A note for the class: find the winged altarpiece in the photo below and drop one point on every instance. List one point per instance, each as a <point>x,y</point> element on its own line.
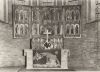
<point>46,27</point>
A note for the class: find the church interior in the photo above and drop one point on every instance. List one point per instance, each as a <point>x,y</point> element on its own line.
<point>49,35</point>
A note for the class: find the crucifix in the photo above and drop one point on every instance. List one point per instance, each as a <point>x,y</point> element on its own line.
<point>47,44</point>
<point>47,35</point>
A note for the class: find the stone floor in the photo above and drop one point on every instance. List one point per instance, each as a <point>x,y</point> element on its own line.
<point>9,69</point>
<point>22,69</point>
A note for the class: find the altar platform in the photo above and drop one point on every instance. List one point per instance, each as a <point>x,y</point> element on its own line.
<point>22,69</point>
<point>44,70</point>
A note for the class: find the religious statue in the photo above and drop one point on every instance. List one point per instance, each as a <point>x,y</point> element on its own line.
<point>77,28</point>
<point>34,29</point>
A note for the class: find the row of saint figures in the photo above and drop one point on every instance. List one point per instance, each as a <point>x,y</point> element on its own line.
<point>38,29</point>
<point>47,2</point>
<point>68,29</point>
<point>69,14</point>
<point>20,30</point>
<point>62,30</point>
<point>41,43</point>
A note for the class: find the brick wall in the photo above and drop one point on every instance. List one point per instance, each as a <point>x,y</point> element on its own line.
<point>11,49</point>
<point>89,45</point>
<point>98,47</point>
<point>83,50</point>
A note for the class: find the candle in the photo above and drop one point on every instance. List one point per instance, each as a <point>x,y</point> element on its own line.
<point>62,2</point>
<point>38,29</point>
<point>56,2</point>
<point>37,2</point>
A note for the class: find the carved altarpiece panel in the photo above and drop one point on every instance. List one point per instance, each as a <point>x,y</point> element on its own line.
<point>21,21</point>
<point>72,21</point>
<point>47,18</point>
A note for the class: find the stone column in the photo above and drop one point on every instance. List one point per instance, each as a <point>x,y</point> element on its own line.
<point>98,32</point>
<point>10,3</point>
<point>2,10</point>
<point>6,11</point>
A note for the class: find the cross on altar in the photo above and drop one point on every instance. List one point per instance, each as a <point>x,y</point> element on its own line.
<point>47,33</point>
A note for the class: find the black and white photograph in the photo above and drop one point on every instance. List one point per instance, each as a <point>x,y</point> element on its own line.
<point>49,35</point>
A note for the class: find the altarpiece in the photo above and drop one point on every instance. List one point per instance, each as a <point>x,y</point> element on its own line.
<point>46,27</point>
